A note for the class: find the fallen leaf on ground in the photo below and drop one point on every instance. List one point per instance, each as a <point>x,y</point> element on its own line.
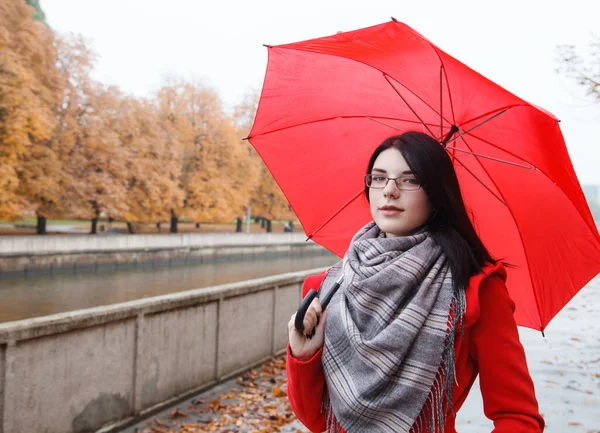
<point>259,404</point>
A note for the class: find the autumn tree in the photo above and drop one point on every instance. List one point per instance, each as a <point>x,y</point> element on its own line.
<point>96,161</point>
<point>121,160</point>
<point>216,189</point>
<point>152,167</point>
<point>211,175</point>
<point>251,166</point>
<point>166,165</point>
<point>71,146</point>
<point>266,199</point>
<point>171,107</point>
<point>38,13</point>
<point>89,147</point>
<point>29,92</point>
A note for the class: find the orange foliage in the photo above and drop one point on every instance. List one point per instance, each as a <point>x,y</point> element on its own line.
<point>91,149</point>
<point>29,167</point>
<point>69,146</point>
<point>152,167</point>
<point>258,404</point>
<point>267,200</point>
<point>211,174</point>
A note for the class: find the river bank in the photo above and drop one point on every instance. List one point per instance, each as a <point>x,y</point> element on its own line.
<point>48,254</point>
<point>36,295</point>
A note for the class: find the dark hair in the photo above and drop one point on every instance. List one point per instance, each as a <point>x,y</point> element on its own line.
<point>450,227</point>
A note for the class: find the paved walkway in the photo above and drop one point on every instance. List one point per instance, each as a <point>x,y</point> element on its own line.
<point>565,366</point>
<point>254,402</point>
<point>51,228</point>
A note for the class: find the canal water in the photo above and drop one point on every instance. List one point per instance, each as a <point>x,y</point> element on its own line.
<point>23,297</point>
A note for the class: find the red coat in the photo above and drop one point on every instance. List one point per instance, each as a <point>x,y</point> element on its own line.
<point>490,347</point>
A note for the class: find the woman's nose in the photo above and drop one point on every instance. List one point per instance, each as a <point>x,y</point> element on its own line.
<point>391,189</point>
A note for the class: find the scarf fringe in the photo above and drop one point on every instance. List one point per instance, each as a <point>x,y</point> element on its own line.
<point>432,418</point>
<point>331,423</point>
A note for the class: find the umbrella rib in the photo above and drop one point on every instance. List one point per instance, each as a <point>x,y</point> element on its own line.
<point>505,108</point>
<point>354,197</point>
<point>390,126</point>
<point>408,105</point>
<point>492,158</point>
<point>369,66</point>
<point>489,143</point>
<point>447,86</point>
<point>365,116</point>
<point>452,106</point>
<point>443,67</point>
<point>441,103</point>
<point>535,297</point>
<point>532,165</point>
<point>479,124</point>
<point>479,180</point>
<point>450,95</point>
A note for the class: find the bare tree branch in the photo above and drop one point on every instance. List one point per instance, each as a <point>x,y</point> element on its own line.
<point>585,73</point>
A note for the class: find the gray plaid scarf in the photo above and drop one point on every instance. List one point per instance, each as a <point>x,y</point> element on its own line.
<point>388,354</point>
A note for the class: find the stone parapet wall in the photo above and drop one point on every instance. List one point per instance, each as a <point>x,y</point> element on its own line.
<point>46,254</point>
<point>106,367</point>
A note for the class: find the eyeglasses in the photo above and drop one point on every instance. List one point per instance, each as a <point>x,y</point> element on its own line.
<point>404,183</point>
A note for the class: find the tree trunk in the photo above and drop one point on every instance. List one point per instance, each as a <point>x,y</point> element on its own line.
<point>269,226</point>
<point>238,227</point>
<point>94,231</point>
<point>291,226</point>
<point>41,226</point>
<point>130,228</point>
<point>173,222</point>
<point>94,228</point>
<point>197,225</point>
<point>262,223</point>
<point>158,227</point>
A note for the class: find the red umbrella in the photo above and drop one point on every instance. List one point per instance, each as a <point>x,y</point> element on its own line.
<point>327,103</point>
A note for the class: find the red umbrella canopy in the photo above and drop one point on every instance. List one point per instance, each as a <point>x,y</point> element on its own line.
<point>327,103</point>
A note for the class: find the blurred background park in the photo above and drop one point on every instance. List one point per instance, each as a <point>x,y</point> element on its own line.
<point>80,154</point>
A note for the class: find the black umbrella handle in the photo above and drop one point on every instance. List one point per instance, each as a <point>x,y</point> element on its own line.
<point>310,296</point>
<point>329,295</point>
<point>299,322</point>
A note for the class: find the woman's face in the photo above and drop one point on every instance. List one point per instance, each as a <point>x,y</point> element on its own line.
<point>397,212</point>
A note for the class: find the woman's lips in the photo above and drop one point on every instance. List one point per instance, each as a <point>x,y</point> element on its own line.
<point>390,210</point>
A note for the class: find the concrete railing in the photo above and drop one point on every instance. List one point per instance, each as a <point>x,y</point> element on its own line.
<point>18,245</point>
<point>105,367</point>
<point>47,254</point>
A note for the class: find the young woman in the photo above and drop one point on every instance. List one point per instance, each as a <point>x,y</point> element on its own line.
<point>421,311</point>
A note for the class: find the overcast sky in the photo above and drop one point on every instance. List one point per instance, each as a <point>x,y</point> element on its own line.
<point>513,42</point>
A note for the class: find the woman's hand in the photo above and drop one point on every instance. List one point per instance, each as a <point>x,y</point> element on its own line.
<point>302,347</point>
